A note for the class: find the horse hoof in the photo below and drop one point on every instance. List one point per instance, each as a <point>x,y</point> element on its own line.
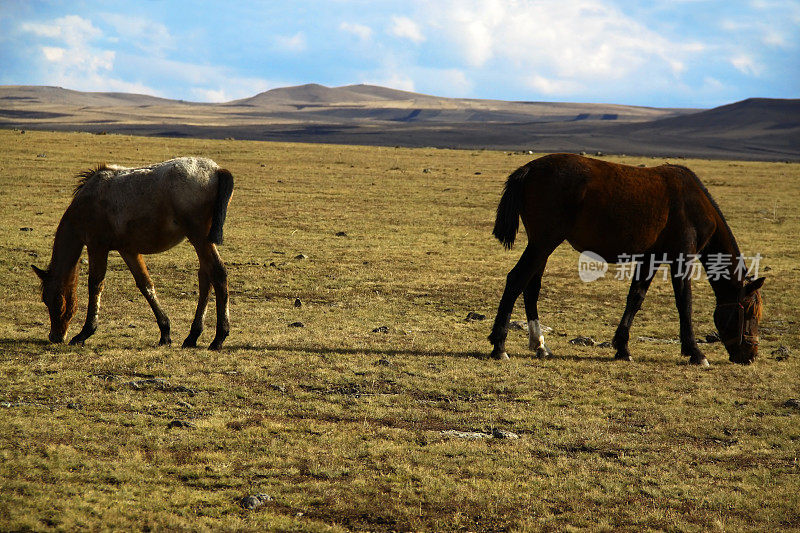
<point>543,353</point>
<point>215,346</point>
<point>165,342</point>
<point>500,356</point>
<point>189,344</point>
<point>699,362</point>
<point>623,357</point>
<point>76,341</point>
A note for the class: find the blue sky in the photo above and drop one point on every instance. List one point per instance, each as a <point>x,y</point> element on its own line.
<point>664,53</point>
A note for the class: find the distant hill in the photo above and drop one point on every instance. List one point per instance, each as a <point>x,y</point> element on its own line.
<point>764,113</point>
<point>319,94</point>
<point>757,128</point>
<point>60,96</point>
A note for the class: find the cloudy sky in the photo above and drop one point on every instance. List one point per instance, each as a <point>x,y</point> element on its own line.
<point>665,53</point>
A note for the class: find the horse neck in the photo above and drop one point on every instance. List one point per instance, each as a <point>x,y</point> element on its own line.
<point>67,248</point>
<point>723,249</point>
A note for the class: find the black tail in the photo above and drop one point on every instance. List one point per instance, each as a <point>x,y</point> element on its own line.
<point>224,191</point>
<point>510,208</point>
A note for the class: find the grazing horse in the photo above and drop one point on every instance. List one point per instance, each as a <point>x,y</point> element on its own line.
<point>140,211</point>
<point>663,214</point>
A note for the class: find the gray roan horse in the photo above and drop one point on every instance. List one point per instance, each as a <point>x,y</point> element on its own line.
<point>140,211</point>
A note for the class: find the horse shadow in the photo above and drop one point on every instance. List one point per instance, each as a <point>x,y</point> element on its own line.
<point>474,354</point>
<point>35,344</point>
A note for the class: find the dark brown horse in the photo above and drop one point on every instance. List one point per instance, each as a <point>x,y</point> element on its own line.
<point>662,213</point>
<point>140,211</point>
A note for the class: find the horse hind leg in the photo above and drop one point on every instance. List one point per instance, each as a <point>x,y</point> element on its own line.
<point>212,264</point>
<point>535,335</point>
<point>532,262</point>
<point>98,263</point>
<point>138,268</point>
<point>204,284</point>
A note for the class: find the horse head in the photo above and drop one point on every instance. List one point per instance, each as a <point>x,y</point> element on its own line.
<point>737,323</point>
<point>59,297</point>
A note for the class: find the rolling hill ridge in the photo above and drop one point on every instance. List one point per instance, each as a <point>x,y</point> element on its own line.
<point>757,128</point>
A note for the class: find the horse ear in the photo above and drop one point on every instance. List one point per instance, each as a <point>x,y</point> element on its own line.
<point>753,286</point>
<point>39,272</point>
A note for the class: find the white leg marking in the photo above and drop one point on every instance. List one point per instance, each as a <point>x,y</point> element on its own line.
<point>536,338</point>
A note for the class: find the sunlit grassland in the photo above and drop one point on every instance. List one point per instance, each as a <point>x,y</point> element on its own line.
<point>342,425</point>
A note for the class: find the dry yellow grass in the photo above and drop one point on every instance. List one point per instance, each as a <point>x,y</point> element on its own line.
<point>341,425</point>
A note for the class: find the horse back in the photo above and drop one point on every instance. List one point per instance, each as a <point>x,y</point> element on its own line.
<point>614,209</point>
<point>148,209</point>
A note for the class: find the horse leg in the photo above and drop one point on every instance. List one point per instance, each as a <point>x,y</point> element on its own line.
<point>211,263</point>
<point>98,262</point>
<point>683,300</point>
<point>516,281</point>
<point>531,298</point>
<point>137,267</point>
<point>204,283</point>
<point>636,294</point>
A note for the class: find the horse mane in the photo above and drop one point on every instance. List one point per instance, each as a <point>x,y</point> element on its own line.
<point>713,202</point>
<point>86,175</point>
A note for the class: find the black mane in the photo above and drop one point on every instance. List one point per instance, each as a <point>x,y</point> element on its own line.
<point>86,175</point>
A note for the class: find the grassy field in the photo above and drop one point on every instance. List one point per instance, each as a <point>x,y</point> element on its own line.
<point>344,427</point>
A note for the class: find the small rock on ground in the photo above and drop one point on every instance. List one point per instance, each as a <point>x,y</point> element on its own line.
<point>469,435</point>
<point>298,303</point>
<point>582,341</point>
<point>181,424</point>
<point>301,256</point>
<point>297,325</point>
<point>605,344</point>
<point>382,362</point>
<point>479,435</point>
<point>782,352</point>
<point>474,316</point>
<point>792,402</point>
<point>381,329</point>
<point>504,434</point>
<point>255,501</point>
<point>661,341</point>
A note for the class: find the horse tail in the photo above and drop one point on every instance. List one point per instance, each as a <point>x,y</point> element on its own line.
<point>224,192</point>
<point>509,209</point>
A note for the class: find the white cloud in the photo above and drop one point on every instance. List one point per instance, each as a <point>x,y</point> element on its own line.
<point>553,86</point>
<point>450,81</point>
<point>74,62</point>
<point>394,80</point>
<point>565,43</point>
<point>359,30</point>
<point>292,43</point>
<point>746,64</point>
<point>406,28</point>
<point>72,29</point>
<point>144,34</point>
<point>53,53</point>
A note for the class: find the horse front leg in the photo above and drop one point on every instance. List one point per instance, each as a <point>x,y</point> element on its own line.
<point>683,300</point>
<point>531,299</point>
<point>636,294</point>
<point>98,263</point>
<point>204,285</point>
<point>145,285</point>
